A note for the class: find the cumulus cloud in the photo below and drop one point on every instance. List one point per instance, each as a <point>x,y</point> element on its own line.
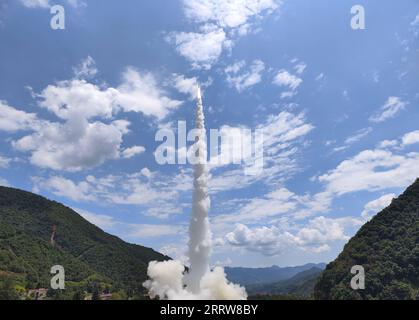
<point>385,144</point>
<point>13,120</point>
<point>201,49</point>
<point>228,14</point>
<point>188,85</point>
<point>88,134</point>
<point>72,146</point>
<point>313,237</point>
<point>375,206</point>
<point>246,79</point>
<point>389,110</point>
<point>220,22</point>
<point>138,92</point>
<point>291,82</point>
<point>411,138</point>
<point>372,170</point>
<point>185,85</point>
<point>63,187</point>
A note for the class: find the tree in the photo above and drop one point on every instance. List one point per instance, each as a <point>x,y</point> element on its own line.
<point>7,290</point>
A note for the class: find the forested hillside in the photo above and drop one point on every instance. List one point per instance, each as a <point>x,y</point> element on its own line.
<point>36,234</point>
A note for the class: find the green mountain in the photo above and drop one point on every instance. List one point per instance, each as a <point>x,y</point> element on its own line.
<point>253,276</point>
<point>388,249</point>
<point>36,234</point>
<point>301,285</point>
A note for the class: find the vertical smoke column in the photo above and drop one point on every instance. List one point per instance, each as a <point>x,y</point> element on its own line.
<point>199,229</point>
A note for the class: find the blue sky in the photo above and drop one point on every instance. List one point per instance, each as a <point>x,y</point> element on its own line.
<point>80,108</point>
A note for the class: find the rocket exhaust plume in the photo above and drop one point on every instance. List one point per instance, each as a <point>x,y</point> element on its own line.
<point>199,229</point>
<point>168,279</point>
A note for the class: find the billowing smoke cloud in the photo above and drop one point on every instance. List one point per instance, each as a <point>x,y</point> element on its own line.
<point>169,279</point>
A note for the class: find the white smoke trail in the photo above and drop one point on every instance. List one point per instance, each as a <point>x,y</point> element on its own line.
<point>168,280</point>
<point>199,229</point>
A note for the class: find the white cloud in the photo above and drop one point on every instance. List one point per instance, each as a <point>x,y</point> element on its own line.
<point>235,67</point>
<point>313,237</point>
<point>411,138</point>
<point>130,230</point>
<point>246,79</point>
<point>13,120</point>
<point>282,134</point>
<point>201,49</point>
<point>375,206</point>
<point>138,92</point>
<point>44,4</point>
<point>372,170</point>
<point>220,21</point>
<point>82,141</point>
<point>133,151</point>
<point>100,220</point>
<point>228,14</point>
<point>87,69</point>
<point>279,202</point>
<point>185,85</point>
<point>285,79</point>
<point>73,146</point>
<point>65,188</point>
<point>266,240</point>
<point>385,144</point>
<point>300,68</point>
<point>359,135</point>
<point>36,3</point>
<point>389,110</point>
<point>157,195</point>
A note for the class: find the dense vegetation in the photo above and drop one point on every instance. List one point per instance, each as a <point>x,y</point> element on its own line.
<point>94,261</point>
<point>301,285</point>
<point>388,249</point>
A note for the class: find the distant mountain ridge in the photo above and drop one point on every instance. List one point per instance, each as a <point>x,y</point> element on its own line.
<point>252,276</point>
<point>36,233</point>
<point>300,285</point>
<point>388,249</point>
